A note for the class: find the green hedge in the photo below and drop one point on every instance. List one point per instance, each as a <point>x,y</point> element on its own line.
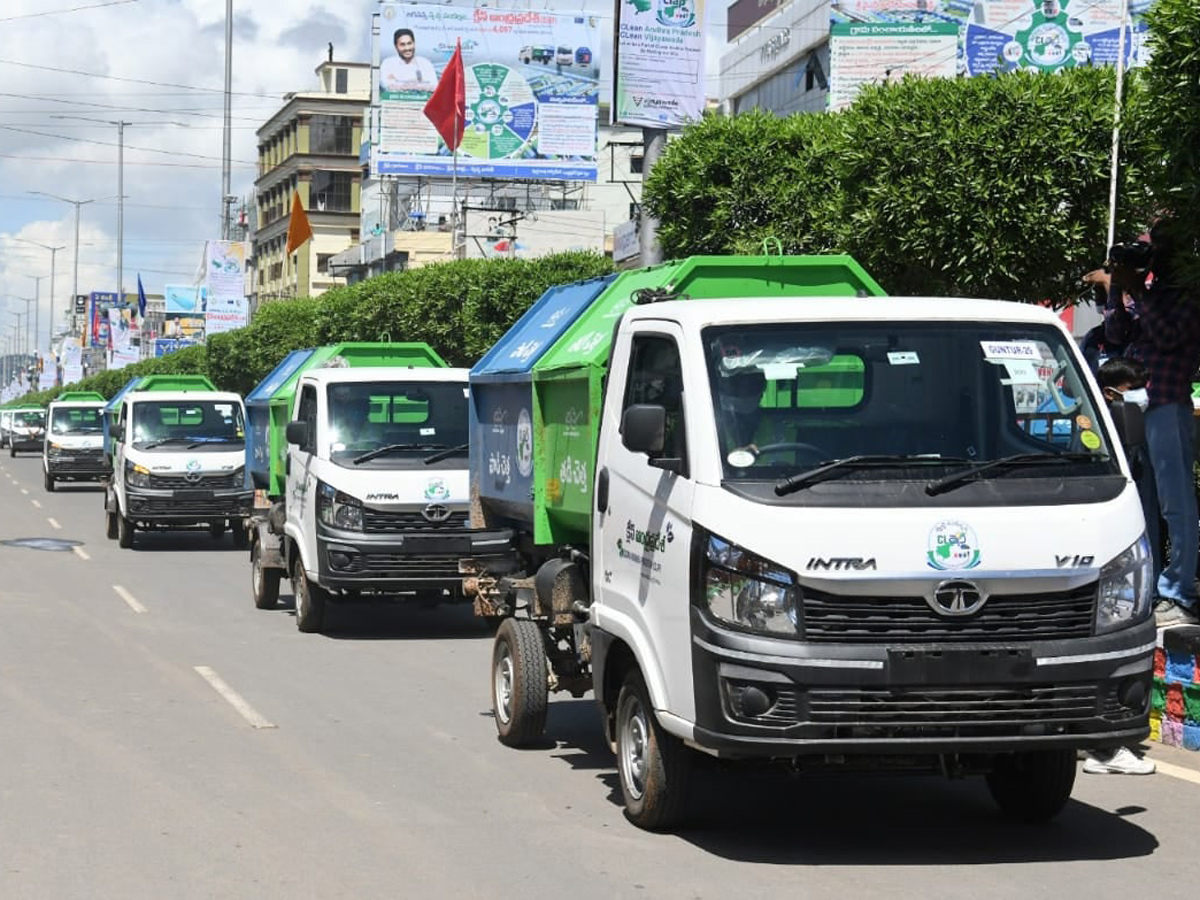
<point>460,308</point>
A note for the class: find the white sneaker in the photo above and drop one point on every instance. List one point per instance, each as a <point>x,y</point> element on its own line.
<point>1123,762</point>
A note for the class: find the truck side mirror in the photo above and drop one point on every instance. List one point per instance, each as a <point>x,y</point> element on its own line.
<point>297,433</point>
<point>644,429</point>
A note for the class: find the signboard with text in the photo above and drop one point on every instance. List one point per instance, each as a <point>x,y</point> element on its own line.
<point>532,92</point>
<point>659,74</point>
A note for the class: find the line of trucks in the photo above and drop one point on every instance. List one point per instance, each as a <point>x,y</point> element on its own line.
<point>764,513</point>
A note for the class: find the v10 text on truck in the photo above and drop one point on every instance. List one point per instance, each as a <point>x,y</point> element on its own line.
<point>766,515</point>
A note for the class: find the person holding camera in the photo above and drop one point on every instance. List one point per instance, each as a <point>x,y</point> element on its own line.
<point>1162,332</point>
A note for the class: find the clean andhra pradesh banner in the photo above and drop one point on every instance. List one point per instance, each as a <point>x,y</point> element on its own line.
<point>881,40</point>
<point>49,371</point>
<point>532,92</point>
<point>659,77</point>
<point>225,279</point>
<point>72,361</point>
<point>185,307</point>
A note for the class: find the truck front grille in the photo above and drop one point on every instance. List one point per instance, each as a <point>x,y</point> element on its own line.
<point>399,566</point>
<point>844,619</point>
<point>223,481</point>
<point>377,521</point>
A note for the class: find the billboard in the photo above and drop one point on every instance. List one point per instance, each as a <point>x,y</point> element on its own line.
<point>99,303</point>
<point>532,86</point>
<point>185,299</point>
<point>659,73</point>
<point>878,40</point>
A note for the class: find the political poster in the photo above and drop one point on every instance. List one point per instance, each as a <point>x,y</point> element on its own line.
<point>185,299</point>
<point>532,92</point>
<point>99,303</point>
<point>659,72</point>
<point>71,357</point>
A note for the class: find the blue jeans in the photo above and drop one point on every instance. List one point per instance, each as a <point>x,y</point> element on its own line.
<point>1169,444</point>
<point>1143,477</point>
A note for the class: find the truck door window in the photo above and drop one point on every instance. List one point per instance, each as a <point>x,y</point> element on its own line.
<point>308,413</point>
<point>656,378</point>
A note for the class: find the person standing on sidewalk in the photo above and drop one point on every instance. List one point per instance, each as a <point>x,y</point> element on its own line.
<point>1164,335</point>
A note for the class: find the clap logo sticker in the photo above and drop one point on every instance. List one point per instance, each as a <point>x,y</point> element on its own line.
<point>952,545</point>
<point>1090,439</point>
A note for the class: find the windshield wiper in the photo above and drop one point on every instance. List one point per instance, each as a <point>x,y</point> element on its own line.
<point>446,454</point>
<point>801,480</point>
<point>392,448</point>
<point>200,442</point>
<point>170,440</point>
<point>1007,462</point>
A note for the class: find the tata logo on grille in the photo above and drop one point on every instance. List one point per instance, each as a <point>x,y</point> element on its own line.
<point>957,598</point>
<point>193,474</point>
<point>436,512</point>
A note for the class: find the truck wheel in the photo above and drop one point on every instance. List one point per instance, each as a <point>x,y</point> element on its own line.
<point>265,582</point>
<point>519,683</point>
<point>1033,787</point>
<point>310,601</point>
<point>110,525</point>
<point>217,529</point>
<point>240,538</point>
<point>655,768</point>
<point>124,531</point>
<point>49,482</point>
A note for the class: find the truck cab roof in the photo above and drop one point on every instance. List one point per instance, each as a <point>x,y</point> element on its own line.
<point>384,373</point>
<point>168,396</point>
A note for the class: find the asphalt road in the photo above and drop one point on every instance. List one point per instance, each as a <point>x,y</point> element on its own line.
<point>364,764</point>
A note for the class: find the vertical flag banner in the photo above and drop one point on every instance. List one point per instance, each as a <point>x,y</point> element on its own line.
<point>447,107</point>
<point>531,92</point>
<point>225,267</point>
<point>299,228</point>
<point>141,298</point>
<point>659,77</point>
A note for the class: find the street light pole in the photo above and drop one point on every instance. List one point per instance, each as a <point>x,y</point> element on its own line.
<point>227,136</point>
<point>77,204</point>
<point>37,333</point>
<point>37,317</point>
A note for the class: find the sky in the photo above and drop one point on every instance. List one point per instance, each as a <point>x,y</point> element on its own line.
<point>71,69</point>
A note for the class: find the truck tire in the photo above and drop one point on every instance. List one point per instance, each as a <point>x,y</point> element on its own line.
<point>124,531</point>
<point>110,525</point>
<point>1033,787</point>
<point>654,767</point>
<point>520,687</point>
<point>264,582</point>
<point>49,480</point>
<point>311,601</point>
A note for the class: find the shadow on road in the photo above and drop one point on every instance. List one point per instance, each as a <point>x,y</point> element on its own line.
<point>772,817</point>
<point>398,621</point>
<point>185,541</point>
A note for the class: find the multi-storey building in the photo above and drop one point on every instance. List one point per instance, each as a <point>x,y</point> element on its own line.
<point>311,147</point>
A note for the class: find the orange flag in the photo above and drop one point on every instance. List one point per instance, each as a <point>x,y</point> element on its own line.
<point>299,229</point>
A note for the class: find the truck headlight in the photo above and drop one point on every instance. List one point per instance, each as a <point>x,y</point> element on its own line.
<point>136,476</point>
<point>1125,588</point>
<point>337,509</point>
<point>744,589</point>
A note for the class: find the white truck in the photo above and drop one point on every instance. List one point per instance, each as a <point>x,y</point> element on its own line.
<point>361,453</point>
<point>829,532</point>
<point>178,454</point>
<point>74,444</point>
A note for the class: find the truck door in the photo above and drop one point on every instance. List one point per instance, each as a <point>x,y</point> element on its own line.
<point>301,503</point>
<point>642,539</point>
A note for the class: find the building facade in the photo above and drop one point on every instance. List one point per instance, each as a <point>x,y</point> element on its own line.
<point>311,147</point>
<point>777,58</point>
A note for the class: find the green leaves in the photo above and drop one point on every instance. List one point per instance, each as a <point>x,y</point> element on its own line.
<point>982,186</point>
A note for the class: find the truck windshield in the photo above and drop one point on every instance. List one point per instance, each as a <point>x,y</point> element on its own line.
<point>84,420</point>
<point>192,424</point>
<point>901,401</point>
<point>396,424</point>
<point>34,418</point>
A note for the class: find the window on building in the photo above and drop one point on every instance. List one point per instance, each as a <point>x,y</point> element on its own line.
<point>564,203</point>
<point>635,210</point>
<point>635,164</point>
<point>504,202</point>
<point>332,192</point>
<point>276,271</point>
<point>323,262</point>
<point>342,81</point>
<point>330,134</point>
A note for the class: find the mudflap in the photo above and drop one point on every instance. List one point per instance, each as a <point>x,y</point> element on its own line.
<point>110,498</point>
<point>271,544</point>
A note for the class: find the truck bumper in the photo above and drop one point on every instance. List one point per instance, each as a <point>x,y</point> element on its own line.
<point>26,445</point>
<point>187,507</point>
<point>761,697</point>
<point>79,466</point>
<point>398,563</point>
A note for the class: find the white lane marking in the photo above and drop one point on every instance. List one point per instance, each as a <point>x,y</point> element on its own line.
<point>53,522</point>
<point>1181,772</point>
<point>247,712</point>
<point>36,504</point>
<point>129,599</point>
<point>80,552</point>
<point>23,491</point>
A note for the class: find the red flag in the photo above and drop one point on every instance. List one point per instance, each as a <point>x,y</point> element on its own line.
<point>299,229</point>
<point>447,107</point>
